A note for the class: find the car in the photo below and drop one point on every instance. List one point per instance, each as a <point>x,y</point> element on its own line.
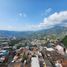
<point>4,56</point>
<point>11,50</point>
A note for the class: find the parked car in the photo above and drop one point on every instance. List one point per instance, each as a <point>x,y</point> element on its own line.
<point>11,51</point>
<point>4,56</point>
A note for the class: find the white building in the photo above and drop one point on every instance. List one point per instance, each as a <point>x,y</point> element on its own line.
<point>60,49</point>
<point>35,62</point>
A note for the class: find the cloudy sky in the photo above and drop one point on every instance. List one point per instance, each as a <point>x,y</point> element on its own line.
<point>24,15</point>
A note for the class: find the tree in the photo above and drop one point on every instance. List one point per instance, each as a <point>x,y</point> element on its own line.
<point>64,40</point>
<point>13,42</point>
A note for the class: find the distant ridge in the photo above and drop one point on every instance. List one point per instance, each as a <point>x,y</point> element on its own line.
<point>55,30</point>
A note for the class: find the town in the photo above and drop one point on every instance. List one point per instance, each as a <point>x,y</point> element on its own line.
<point>32,53</point>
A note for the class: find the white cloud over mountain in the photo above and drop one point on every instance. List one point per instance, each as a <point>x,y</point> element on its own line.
<point>57,18</point>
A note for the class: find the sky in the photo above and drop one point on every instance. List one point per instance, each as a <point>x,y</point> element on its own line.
<point>28,15</point>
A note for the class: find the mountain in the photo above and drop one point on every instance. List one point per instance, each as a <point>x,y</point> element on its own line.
<point>54,30</point>
<point>5,33</point>
<point>57,30</point>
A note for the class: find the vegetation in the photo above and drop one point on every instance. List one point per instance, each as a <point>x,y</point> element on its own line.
<point>65,41</point>
<point>13,42</point>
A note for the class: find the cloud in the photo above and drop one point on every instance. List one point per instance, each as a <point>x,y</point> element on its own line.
<point>57,18</point>
<point>47,11</point>
<point>4,27</point>
<point>24,27</point>
<point>22,14</point>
